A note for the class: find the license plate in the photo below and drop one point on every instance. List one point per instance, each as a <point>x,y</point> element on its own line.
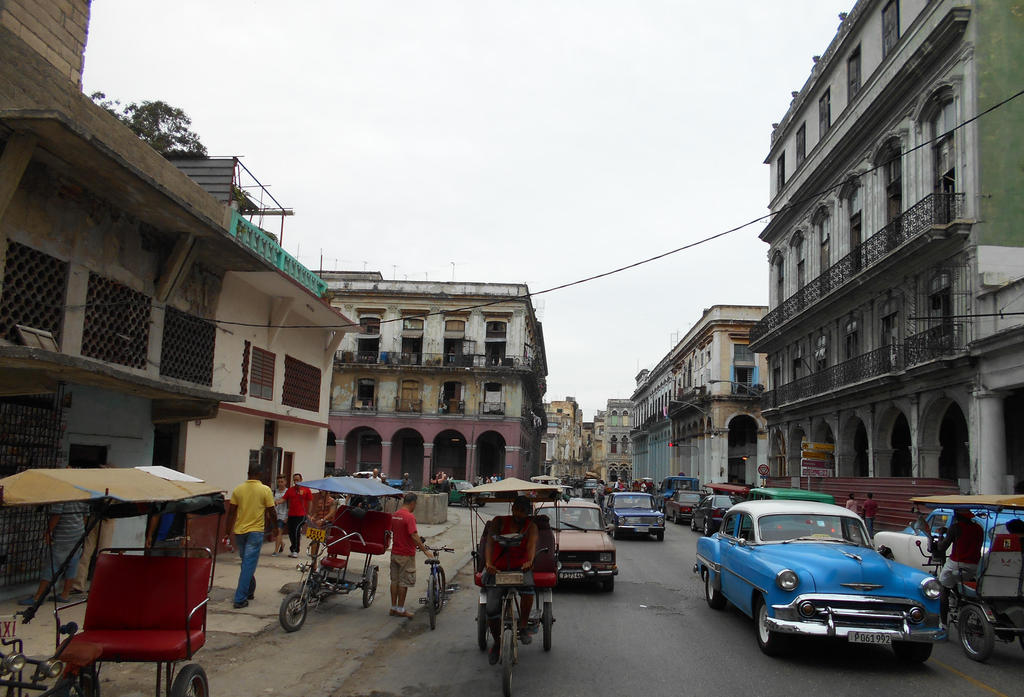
<point>640,528</point>
<point>869,638</point>
<point>568,575</point>
<point>509,578</point>
<point>316,534</point>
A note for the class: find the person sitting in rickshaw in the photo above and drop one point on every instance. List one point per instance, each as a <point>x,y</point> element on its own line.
<point>509,559</point>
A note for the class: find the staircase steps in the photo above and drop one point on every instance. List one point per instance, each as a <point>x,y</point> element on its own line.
<point>892,493</point>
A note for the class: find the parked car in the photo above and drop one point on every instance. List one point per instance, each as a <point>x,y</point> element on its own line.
<point>632,511</point>
<point>679,508</point>
<point>670,485</point>
<point>455,495</point>
<point>800,567</point>
<point>708,513</point>
<point>585,552</point>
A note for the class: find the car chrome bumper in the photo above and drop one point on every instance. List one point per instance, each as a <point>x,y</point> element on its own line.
<point>564,574</point>
<point>632,527</point>
<point>839,615</point>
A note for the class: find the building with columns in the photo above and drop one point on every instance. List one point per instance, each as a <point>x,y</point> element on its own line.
<point>896,249</point>
<point>612,454</point>
<point>697,412</point>
<point>440,376</point>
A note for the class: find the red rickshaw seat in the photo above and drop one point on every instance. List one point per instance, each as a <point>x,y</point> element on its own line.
<point>373,526</point>
<point>138,607</point>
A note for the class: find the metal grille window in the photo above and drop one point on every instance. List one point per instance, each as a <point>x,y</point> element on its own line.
<point>741,353</point>
<point>33,292</point>
<point>187,347</point>
<point>261,374</point>
<point>301,385</point>
<point>116,323</point>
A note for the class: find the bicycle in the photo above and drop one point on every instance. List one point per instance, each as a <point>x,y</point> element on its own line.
<point>438,589</point>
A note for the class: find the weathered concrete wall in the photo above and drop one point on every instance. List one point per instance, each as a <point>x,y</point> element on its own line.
<point>57,30</point>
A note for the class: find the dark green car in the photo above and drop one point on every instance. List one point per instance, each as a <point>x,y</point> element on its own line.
<point>455,495</point>
<point>762,493</point>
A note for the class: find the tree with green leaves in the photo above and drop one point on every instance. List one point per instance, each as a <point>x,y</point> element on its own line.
<point>164,127</point>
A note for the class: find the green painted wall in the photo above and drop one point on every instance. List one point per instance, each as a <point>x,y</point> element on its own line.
<point>999,53</point>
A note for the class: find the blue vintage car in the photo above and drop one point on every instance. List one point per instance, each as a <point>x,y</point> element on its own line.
<point>805,568</point>
<point>631,511</point>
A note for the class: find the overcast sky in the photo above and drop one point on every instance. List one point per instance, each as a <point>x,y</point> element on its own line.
<point>533,141</point>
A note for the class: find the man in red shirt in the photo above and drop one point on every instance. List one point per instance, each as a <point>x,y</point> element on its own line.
<point>299,500</point>
<point>870,511</point>
<point>405,539</point>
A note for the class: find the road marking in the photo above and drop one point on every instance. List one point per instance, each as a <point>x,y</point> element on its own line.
<point>968,678</point>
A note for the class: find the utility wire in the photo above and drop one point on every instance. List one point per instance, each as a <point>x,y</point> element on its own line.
<point>784,209</point>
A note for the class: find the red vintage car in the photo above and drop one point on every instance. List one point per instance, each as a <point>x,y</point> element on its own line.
<point>679,508</point>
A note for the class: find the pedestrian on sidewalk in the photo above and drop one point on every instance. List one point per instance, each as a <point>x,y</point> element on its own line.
<point>870,511</point>
<point>299,500</point>
<point>249,503</point>
<point>404,542</point>
<point>406,482</point>
<point>852,504</point>
<point>281,509</point>
<point>64,528</point>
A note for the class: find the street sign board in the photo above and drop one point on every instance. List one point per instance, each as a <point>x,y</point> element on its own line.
<point>763,470</point>
<point>820,447</point>
<point>810,467</point>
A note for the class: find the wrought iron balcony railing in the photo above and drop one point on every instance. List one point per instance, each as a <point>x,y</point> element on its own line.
<point>492,407</point>
<point>364,404</point>
<point>447,360</point>
<point>451,406</point>
<point>932,210</point>
<point>409,405</point>
<point>940,341</point>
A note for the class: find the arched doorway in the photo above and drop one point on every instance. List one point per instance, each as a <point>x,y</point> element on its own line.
<point>901,462</point>
<point>861,467</point>
<point>450,454</point>
<point>362,450</point>
<point>954,461</point>
<point>742,446</point>
<point>330,454</point>
<point>407,455</point>
<point>779,466</point>
<point>490,454</point>
<point>852,453</point>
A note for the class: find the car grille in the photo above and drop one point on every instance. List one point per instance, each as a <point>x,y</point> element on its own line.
<point>852,611</point>
<point>577,557</point>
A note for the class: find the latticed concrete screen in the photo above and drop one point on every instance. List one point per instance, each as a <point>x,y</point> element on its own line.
<point>187,347</point>
<point>301,385</point>
<point>116,323</point>
<point>34,288</point>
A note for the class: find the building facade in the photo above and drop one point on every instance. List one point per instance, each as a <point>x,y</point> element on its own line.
<point>565,438</point>
<point>613,457</point>
<point>896,242</point>
<point>697,413</point>
<point>439,376</point>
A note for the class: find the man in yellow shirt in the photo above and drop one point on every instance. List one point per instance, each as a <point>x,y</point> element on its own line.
<point>249,502</point>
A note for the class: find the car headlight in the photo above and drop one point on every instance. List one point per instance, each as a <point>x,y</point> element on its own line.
<point>587,566</point>
<point>605,557</point>
<point>931,588</point>
<point>787,580</point>
<point>558,565</point>
<point>13,662</point>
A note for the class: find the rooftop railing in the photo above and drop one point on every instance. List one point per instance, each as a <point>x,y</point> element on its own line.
<point>264,246</point>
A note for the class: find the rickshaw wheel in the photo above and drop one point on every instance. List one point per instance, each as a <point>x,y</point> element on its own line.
<point>547,619</point>
<point>292,614</point>
<point>370,587</point>
<point>481,627</point>
<point>976,635</point>
<point>190,682</point>
<point>507,660</point>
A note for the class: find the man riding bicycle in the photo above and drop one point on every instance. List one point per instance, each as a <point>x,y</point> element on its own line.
<point>511,558</point>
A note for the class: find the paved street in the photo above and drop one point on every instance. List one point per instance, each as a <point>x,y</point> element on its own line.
<point>655,636</point>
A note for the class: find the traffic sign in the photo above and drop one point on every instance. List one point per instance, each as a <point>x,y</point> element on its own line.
<point>763,470</point>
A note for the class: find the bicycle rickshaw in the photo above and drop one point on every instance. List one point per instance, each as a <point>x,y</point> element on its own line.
<point>544,574</point>
<point>145,605</point>
<point>991,606</point>
<point>351,529</point>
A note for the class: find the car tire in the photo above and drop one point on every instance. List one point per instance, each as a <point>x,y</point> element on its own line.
<point>976,635</point>
<point>660,536</point>
<point>693,524</point>
<point>912,651</point>
<point>707,527</point>
<point>713,597</point>
<point>608,585</point>
<point>771,643</point>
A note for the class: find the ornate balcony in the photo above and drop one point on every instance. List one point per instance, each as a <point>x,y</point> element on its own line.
<point>935,209</point>
<point>941,341</point>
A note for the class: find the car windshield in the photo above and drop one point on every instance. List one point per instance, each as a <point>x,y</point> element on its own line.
<point>632,501</point>
<point>573,517</point>
<point>459,486</point>
<point>811,527</point>
<point>688,497</point>
<point>719,501</point>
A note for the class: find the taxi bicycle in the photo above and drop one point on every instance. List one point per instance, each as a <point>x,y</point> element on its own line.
<point>542,577</point>
<point>351,529</point>
<point>990,607</point>
<point>144,605</point>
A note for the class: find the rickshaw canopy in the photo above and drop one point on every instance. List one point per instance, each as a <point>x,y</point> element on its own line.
<point>356,486</point>
<point>990,501</point>
<point>507,490</point>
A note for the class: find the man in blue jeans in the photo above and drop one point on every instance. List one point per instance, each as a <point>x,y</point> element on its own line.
<point>249,502</point>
